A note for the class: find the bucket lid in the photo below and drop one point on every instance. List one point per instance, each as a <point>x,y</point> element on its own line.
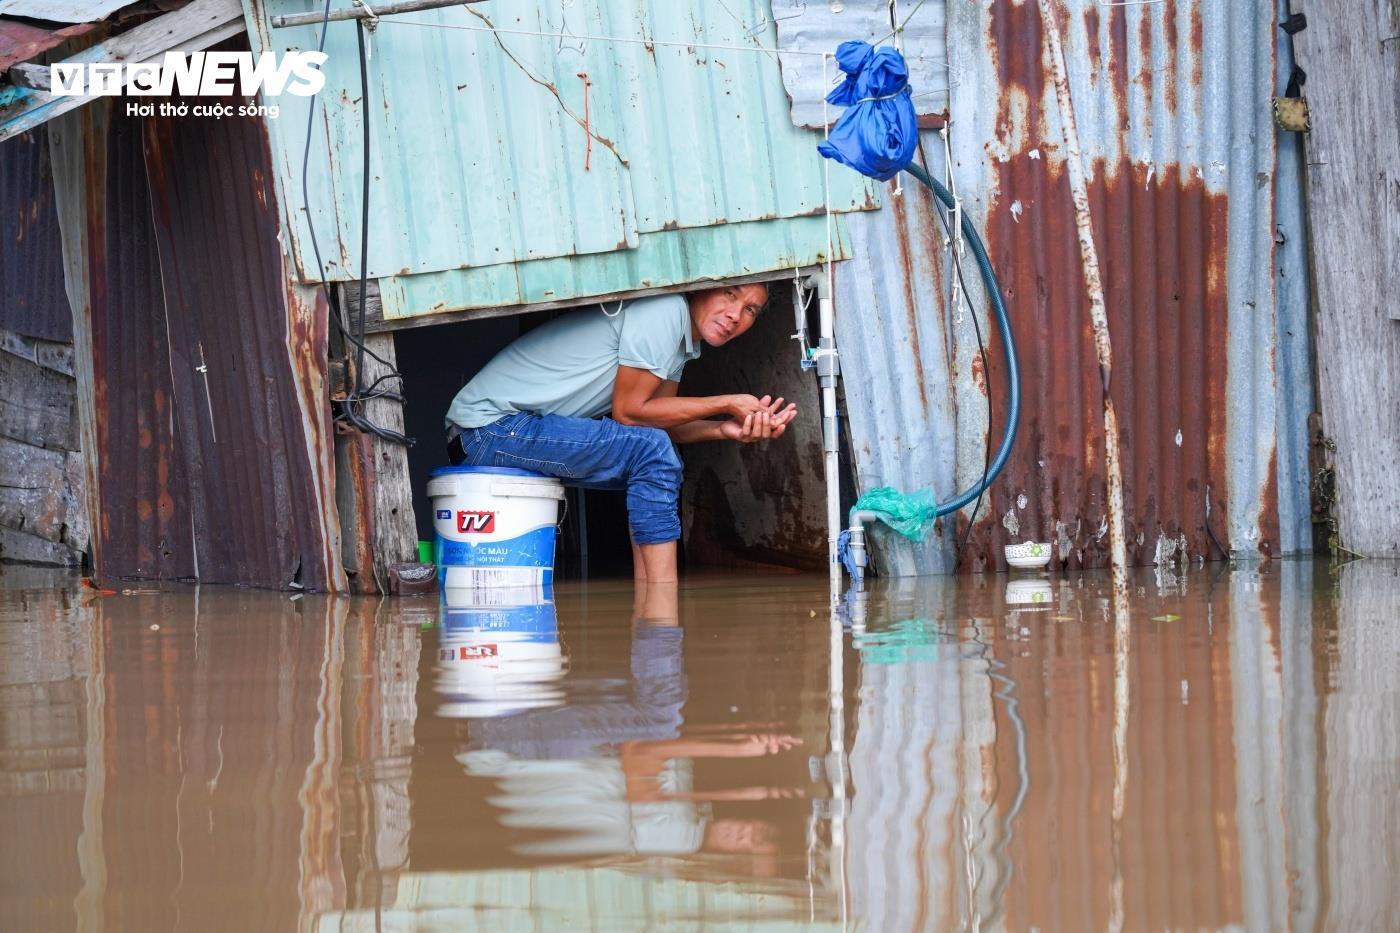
<point>489,471</point>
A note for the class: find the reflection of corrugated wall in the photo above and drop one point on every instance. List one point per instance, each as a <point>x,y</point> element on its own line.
<point>210,746</point>
<point>1170,101</point>
<point>1224,784</point>
<point>44,741</point>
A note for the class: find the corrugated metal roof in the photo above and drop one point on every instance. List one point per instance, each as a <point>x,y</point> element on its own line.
<point>1211,358</point>
<point>824,26</point>
<point>20,42</point>
<point>31,262</point>
<point>63,11</point>
<point>481,160</point>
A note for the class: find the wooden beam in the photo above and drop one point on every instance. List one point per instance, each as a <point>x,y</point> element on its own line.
<point>197,26</point>
<point>31,76</point>
<point>373,493</point>
<point>1353,203</point>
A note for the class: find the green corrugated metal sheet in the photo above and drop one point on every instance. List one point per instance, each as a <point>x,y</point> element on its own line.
<point>483,192</point>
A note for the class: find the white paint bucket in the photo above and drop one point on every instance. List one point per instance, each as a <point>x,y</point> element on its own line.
<point>495,526</point>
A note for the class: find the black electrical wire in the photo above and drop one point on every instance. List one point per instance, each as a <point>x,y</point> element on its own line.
<point>305,195</point>
<point>358,393</point>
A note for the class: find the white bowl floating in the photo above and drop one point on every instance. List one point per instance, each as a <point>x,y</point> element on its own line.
<point>1029,555</point>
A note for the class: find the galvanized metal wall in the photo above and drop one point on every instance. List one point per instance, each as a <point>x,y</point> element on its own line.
<point>32,301</point>
<point>486,193</point>
<point>1208,314</point>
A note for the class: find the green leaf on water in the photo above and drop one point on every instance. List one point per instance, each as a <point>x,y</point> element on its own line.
<point>1169,617</point>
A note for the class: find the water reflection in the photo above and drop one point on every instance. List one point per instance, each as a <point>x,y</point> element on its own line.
<point>220,758</point>
<point>499,652</point>
<point>611,772</point>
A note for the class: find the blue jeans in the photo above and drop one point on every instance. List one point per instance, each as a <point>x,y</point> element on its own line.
<point>591,454</point>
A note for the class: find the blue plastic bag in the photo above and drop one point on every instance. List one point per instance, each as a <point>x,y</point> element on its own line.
<point>878,133</point>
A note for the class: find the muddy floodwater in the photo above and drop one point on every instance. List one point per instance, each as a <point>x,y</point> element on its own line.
<point>990,752</point>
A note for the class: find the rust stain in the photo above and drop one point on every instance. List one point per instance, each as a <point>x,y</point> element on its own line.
<point>1091,30</point>
<point>1169,339</point>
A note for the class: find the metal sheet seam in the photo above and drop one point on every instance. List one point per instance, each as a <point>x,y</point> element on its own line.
<point>1252,381</point>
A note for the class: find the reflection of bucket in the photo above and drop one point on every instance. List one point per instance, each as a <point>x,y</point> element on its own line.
<point>495,526</point>
<point>498,656</point>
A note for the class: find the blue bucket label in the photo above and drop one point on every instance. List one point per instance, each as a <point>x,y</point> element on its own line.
<point>532,549</point>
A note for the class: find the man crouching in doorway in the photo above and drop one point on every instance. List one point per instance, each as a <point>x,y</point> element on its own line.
<point>591,397</point>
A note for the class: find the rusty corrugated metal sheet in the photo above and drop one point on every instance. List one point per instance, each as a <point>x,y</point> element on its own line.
<point>141,527</point>
<point>1207,316</point>
<point>20,42</point>
<point>247,356</point>
<point>1180,156</point>
<point>896,352</point>
<point>32,300</point>
<point>207,421</point>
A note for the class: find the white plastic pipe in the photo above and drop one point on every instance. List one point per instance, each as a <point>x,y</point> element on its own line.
<point>828,368</point>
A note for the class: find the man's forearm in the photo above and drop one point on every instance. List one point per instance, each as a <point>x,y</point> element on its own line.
<point>694,432</point>
<point>675,411</point>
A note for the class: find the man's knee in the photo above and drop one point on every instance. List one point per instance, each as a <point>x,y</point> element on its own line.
<point>655,452</point>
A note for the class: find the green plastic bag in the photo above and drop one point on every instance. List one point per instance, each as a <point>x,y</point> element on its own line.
<point>909,515</point>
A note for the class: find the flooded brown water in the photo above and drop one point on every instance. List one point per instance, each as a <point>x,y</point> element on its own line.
<point>989,753</point>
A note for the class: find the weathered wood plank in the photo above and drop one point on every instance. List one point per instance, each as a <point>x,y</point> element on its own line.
<point>395,537</point>
<point>41,496</point>
<point>373,492</point>
<point>46,353</point>
<point>20,548</point>
<point>77,142</point>
<point>37,406</point>
<point>1353,177</point>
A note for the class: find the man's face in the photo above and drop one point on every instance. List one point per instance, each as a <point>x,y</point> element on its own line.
<point>721,314</point>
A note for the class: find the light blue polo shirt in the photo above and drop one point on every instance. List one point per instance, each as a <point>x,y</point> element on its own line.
<point>569,366</point>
